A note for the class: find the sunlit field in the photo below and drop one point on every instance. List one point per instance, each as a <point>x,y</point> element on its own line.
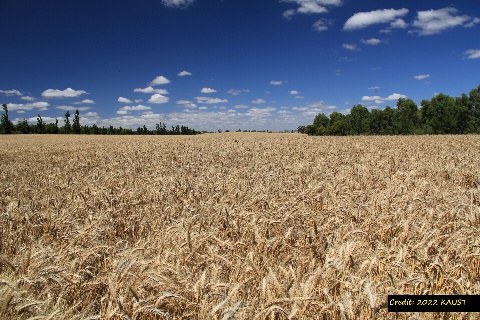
<point>235,225</point>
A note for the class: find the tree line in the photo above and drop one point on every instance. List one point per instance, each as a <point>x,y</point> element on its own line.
<point>442,114</point>
<point>74,127</point>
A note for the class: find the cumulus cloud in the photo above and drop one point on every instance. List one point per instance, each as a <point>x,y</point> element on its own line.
<point>135,108</point>
<point>321,25</point>
<point>362,20</point>
<point>184,73</point>
<point>86,101</point>
<point>208,90</point>
<point>352,47</point>
<point>472,54</point>
<point>235,92</point>
<point>379,100</point>
<point>70,108</point>
<point>40,106</point>
<point>374,88</point>
<point>435,21</point>
<point>207,100</point>
<point>314,108</point>
<point>259,101</point>
<point>158,98</point>
<point>310,7</point>
<point>276,82</point>
<point>150,89</point>
<point>12,92</point>
<point>124,100</point>
<point>241,106</point>
<point>422,76</point>
<point>28,98</point>
<point>372,41</point>
<point>67,93</point>
<point>159,81</point>
<point>187,104</point>
<point>180,4</point>
<point>294,92</point>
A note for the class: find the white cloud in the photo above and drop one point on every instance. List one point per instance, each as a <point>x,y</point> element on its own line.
<point>158,98</point>
<point>288,14</point>
<point>187,104</point>
<point>372,41</point>
<point>208,90</point>
<point>86,101</point>
<point>241,106</point>
<point>374,88</point>
<point>321,25</point>
<point>40,105</point>
<point>276,82</point>
<point>150,89</point>
<point>259,101</point>
<point>352,47</point>
<point>396,96</point>
<point>159,80</point>
<point>122,112</point>
<point>235,92</point>
<point>12,92</point>
<point>138,100</point>
<point>294,92</point>
<point>70,108</point>
<point>207,100</point>
<point>181,4</point>
<point>371,98</point>
<point>67,93</point>
<point>310,6</point>
<point>362,20</point>
<point>203,108</point>
<point>379,100</point>
<point>435,21</point>
<point>398,24</point>
<point>472,54</point>
<point>124,100</point>
<point>184,73</point>
<point>422,76</point>
<point>90,114</point>
<point>135,108</point>
<point>27,98</point>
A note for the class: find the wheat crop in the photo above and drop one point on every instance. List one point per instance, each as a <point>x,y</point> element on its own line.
<point>235,226</point>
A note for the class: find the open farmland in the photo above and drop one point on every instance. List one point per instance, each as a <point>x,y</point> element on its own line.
<point>235,226</point>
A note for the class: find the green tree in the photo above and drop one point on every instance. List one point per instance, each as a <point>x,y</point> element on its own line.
<point>76,128</point>
<point>40,124</point>
<point>407,116</point>
<point>7,125</point>
<point>322,124</point>
<point>338,124</point>
<point>67,127</point>
<point>376,120</point>
<point>22,126</point>
<point>359,120</point>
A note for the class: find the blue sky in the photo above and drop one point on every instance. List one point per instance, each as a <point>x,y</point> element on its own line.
<point>230,64</point>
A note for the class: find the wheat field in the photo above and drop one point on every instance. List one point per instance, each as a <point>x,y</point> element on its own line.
<point>235,225</point>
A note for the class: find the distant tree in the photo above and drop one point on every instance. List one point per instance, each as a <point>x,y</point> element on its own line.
<point>40,124</point>
<point>301,129</point>
<point>322,124</point>
<point>359,120</point>
<point>7,125</point>
<point>76,128</point>
<point>67,127</point>
<point>338,124</point>
<point>407,119</point>
<point>22,126</point>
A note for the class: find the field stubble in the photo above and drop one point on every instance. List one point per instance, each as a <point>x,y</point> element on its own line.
<point>235,226</point>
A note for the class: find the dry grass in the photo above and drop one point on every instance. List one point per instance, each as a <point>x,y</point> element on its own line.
<point>235,226</point>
